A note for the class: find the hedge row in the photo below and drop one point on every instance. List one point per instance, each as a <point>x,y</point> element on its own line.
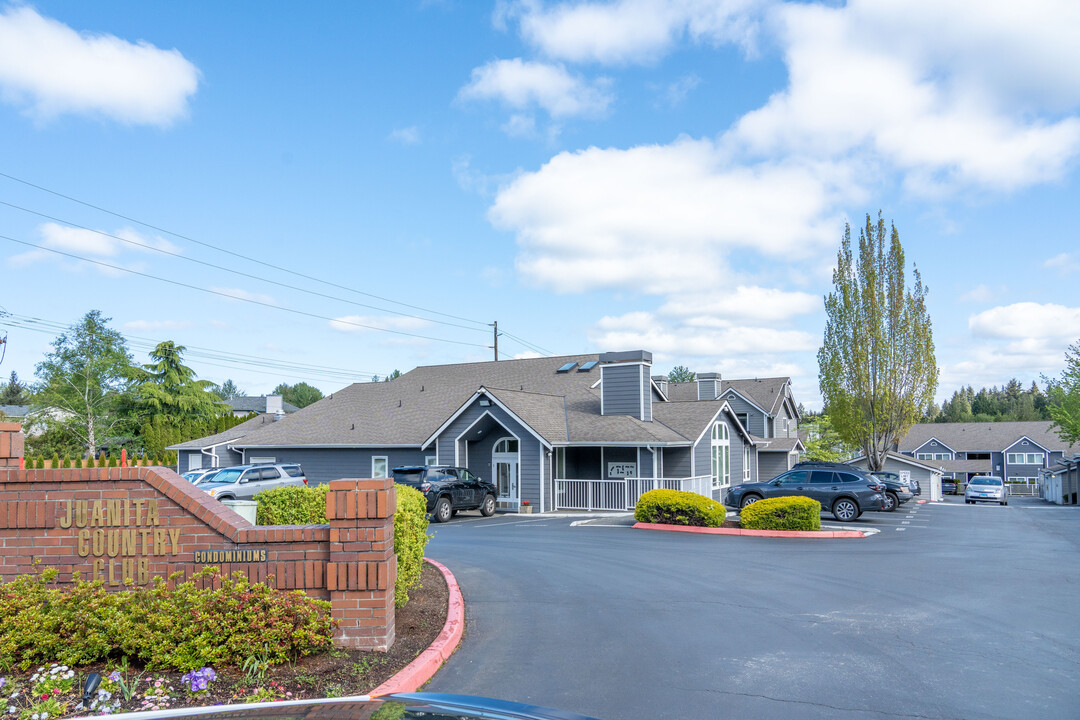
<point>184,627</point>
<point>675,507</point>
<point>782,513</point>
<point>306,505</point>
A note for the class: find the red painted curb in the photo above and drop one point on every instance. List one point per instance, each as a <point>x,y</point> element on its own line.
<point>413,676</point>
<point>753,533</point>
<point>920,502</point>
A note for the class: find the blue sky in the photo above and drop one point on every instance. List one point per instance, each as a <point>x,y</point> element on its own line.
<point>672,176</point>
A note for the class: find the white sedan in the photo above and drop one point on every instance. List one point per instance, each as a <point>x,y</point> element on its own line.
<point>986,489</point>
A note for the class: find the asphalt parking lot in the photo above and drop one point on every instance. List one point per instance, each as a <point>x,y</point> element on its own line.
<point>957,611</point>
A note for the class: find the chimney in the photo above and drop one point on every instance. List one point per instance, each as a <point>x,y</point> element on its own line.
<point>273,404</point>
<point>708,385</point>
<point>661,382</point>
<point>625,387</point>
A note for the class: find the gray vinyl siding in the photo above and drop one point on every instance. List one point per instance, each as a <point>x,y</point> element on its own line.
<point>708,389</point>
<point>676,462</point>
<point>183,460</point>
<point>321,465</point>
<point>771,464</point>
<point>1022,470</point>
<point>623,387</point>
<point>528,448</point>
<point>755,420</point>
<point>645,462</point>
<point>702,461</point>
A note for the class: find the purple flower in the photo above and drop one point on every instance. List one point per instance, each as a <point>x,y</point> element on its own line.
<point>114,676</point>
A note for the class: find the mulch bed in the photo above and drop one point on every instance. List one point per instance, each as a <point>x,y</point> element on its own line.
<point>337,673</point>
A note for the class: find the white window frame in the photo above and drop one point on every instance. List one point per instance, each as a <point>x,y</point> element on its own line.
<point>386,467</point>
<point>924,456</point>
<point>431,460</point>
<point>720,455</point>
<point>942,456</point>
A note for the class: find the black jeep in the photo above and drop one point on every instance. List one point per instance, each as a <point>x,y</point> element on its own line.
<point>448,489</point>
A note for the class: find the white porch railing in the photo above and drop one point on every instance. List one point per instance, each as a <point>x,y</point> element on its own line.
<point>621,494</point>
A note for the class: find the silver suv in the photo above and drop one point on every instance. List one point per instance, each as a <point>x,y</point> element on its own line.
<point>242,482</point>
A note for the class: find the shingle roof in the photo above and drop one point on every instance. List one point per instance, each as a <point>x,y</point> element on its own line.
<point>257,404</point>
<point>234,433</point>
<point>776,444</point>
<point>410,408</point>
<point>982,437</point>
<point>15,411</point>
<point>766,393</point>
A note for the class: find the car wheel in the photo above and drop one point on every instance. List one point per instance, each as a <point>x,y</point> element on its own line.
<point>1004,502</point>
<point>891,501</point>
<point>845,510</point>
<point>443,511</point>
<point>749,500</point>
<point>487,508</point>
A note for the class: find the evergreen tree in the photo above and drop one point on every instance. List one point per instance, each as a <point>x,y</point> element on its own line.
<point>681,374</point>
<point>14,392</point>
<point>301,394</point>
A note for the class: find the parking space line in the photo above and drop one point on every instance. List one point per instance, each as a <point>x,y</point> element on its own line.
<point>900,529</point>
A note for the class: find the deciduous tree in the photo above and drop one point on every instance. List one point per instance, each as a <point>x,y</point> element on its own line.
<point>681,374</point>
<point>83,381</point>
<point>877,369</point>
<point>301,394</point>
<point>1064,397</point>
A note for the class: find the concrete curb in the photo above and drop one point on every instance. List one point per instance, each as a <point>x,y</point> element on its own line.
<point>753,533</point>
<point>413,676</point>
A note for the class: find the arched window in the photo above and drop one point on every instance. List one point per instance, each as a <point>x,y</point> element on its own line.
<point>721,455</point>
<point>506,445</point>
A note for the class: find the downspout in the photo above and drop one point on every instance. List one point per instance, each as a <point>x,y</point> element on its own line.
<point>213,457</point>
<point>542,481</point>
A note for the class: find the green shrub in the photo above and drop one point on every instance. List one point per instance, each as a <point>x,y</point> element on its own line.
<point>675,507</point>
<point>54,461</point>
<point>410,539</point>
<point>782,513</point>
<point>302,505</point>
<point>184,627</point>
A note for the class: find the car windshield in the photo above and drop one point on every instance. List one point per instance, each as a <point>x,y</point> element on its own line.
<point>985,481</point>
<point>229,475</point>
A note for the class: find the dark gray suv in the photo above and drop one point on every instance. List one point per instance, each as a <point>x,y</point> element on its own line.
<point>847,493</point>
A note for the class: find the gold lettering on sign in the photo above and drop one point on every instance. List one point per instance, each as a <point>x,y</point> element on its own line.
<point>84,543</point>
<point>138,512</point>
<point>65,520</point>
<point>152,512</point>
<point>96,515</point>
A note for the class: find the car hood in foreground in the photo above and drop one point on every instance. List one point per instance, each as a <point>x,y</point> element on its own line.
<point>403,706</point>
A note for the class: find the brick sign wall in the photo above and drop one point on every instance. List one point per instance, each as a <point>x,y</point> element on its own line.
<point>131,525</point>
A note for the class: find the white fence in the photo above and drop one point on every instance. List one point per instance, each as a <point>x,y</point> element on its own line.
<point>621,494</point>
<point>1023,489</point>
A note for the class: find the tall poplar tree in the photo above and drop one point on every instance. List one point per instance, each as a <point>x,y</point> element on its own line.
<point>876,366</point>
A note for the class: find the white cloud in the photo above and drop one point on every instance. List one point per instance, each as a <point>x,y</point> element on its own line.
<point>629,31</point>
<point>156,325</point>
<point>645,330</point>
<point>353,323</point>
<point>915,85</point>
<point>661,217</point>
<point>527,355</point>
<point>1027,320</point>
<point>241,294</point>
<point>722,307</point>
<point>405,136</point>
<point>102,246</point>
<point>524,85</point>
<point>981,294</point>
<point>50,70</point>
<point>1064,264</point>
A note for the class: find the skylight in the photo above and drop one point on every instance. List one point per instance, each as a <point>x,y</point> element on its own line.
<point>588,366</point>
<point>567,367</point>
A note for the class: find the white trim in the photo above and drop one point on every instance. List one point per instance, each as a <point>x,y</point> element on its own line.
<point>663,395</point>
<point>934,439</point>
<point>499,403</point>
<point>733,390</point>
<point>641,392</point>
<point>903,459</point>
<point>486,413</point>
<point>603,466</point>
<point>543,481</point>
<point>708,426</point>
<point>517,462</point>
<point>635,443</point>
<point>323,446</point>
<point>1021,439</point>
<point>385,460</point>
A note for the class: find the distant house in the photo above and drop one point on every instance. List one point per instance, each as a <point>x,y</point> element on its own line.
<point>926,472</point>
<point>575,432</point>
<point>272,404</point>
<point>1013,451</point>
<point>14,413</point>
<point>214,451</point>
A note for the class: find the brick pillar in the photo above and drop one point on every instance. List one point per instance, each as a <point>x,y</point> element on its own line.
<point>362,565</point>
<point>11,444</point>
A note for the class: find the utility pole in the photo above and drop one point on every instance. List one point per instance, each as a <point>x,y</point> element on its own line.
<point>496,326</point>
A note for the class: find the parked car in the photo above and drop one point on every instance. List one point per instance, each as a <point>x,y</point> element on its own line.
<point>196,477</point>
<point>948,487</point>
<point>845,491</point>
<point>449,489</point>
<point>243,482</point>
<point>986,488</point>
<point>897,490</point>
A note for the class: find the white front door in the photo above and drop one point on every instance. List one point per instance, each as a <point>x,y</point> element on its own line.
<point>194,461</point>
<point>504,470</point>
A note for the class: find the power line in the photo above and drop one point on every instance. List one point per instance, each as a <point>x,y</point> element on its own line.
<point>259,365</point>
<point>223,268</point>
<point>233,253</point>
<point>235,297</point>
<point>527,344</point>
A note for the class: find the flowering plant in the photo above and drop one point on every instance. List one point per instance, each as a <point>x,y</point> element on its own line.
<point>198,680</point>
<point>525,503</point>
